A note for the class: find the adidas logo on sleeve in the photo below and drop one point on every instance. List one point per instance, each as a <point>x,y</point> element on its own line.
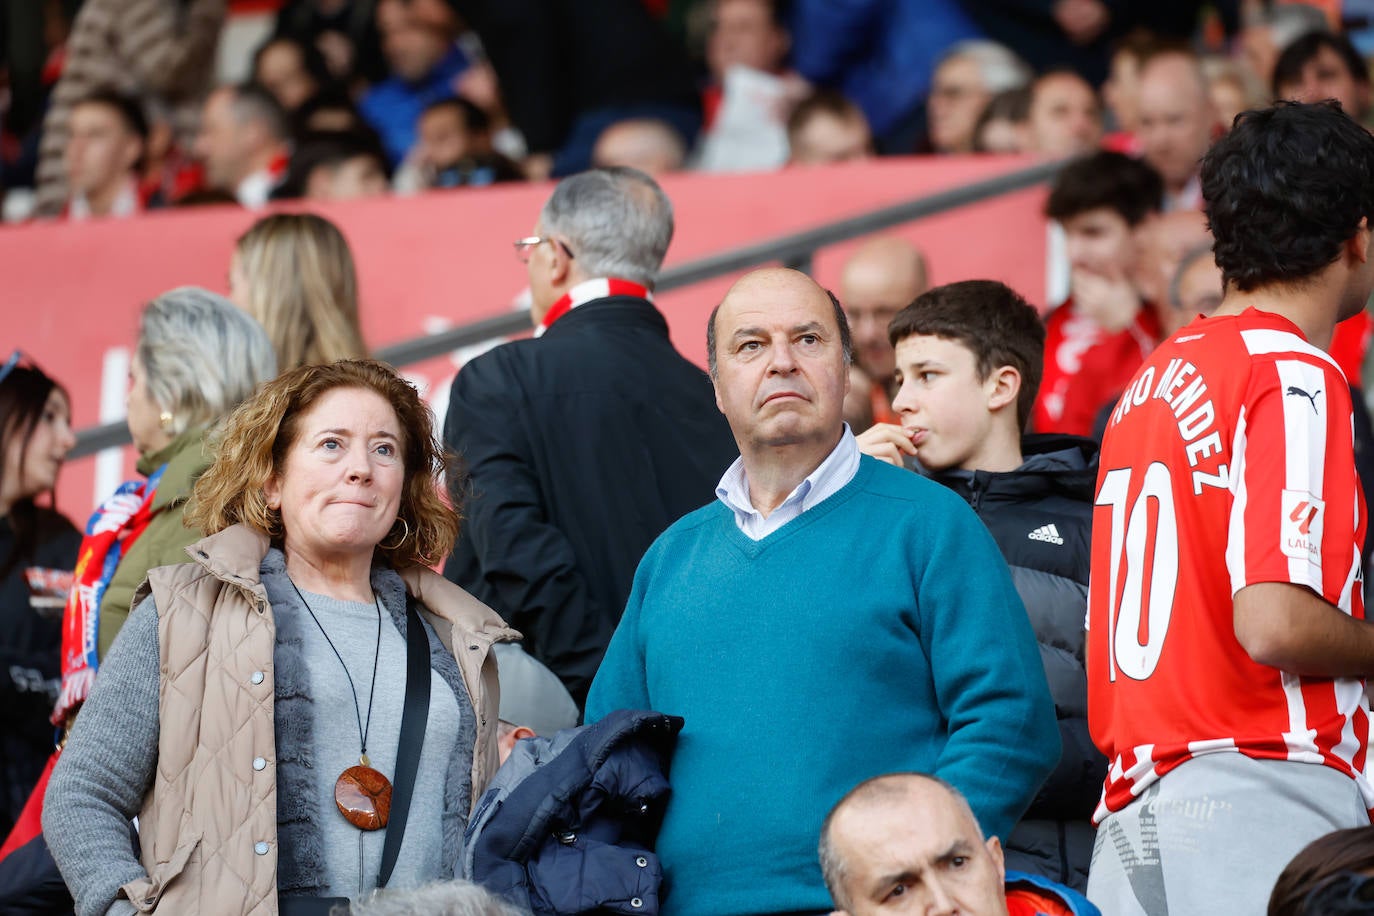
<point>1047,533</point>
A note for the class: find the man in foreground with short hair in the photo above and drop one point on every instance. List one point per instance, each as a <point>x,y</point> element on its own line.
<point>1227,646</point>
<point>809,630</point>
<point>582,444</point>
<point>909,843</point>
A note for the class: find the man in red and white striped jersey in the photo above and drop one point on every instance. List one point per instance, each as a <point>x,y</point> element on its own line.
<point>1227,645</point>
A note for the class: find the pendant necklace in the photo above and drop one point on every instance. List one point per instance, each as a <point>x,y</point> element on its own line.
<point>362,794</point>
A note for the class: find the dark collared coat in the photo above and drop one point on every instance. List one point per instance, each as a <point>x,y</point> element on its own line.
<point>580,447</point>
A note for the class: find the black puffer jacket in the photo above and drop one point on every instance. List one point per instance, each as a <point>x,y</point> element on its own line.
<point>1041,517</point>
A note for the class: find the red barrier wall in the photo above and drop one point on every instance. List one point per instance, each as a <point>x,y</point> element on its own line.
<point>72,293</point>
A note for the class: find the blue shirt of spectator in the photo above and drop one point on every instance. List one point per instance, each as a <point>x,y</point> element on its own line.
<point>392,107</point>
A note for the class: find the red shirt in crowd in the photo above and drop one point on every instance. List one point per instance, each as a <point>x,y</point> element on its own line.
<point>1086,367</point>
<point>1227,462</point>
<point>1349,345</point>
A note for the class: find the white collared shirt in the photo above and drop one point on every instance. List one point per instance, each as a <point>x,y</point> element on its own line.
<point>255,190</point>
<point>126,203</point>
<point>1190,198</point>
<point>837,470</point>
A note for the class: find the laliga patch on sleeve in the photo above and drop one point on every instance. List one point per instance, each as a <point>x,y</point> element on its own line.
<point>1300,529</point>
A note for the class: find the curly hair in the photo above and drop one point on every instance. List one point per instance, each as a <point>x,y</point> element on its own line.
<point>1285,190</point>
<point>251,448</point>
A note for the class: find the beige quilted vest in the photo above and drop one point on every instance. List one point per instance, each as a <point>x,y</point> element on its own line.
<point>208,828</point>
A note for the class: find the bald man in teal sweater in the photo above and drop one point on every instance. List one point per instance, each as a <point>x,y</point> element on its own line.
<point>830,618</point>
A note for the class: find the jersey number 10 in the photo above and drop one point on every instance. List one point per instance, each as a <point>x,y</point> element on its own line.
<point>1132,544</point>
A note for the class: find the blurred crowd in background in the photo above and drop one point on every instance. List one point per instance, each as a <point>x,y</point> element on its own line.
<point>111,107</point>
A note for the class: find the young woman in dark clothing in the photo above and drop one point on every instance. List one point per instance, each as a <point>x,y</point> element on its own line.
<point>37,551</point>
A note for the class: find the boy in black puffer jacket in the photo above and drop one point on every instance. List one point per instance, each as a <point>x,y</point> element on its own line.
<point>969,359</point>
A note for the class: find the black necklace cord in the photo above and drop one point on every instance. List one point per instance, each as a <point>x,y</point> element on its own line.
<point>377,654</point>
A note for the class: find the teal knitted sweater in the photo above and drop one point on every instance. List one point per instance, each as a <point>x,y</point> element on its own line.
<point>877,632</point>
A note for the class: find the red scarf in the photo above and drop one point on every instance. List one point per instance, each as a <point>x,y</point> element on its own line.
<point>586,291</point>
<point>113,527</point>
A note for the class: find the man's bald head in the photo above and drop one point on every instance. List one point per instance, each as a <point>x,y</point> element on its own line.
<point>1177,117</point>
<point>1177,70</point>
<point>779,348</point>
<point>881,278</point>
<point>778,280</point>
<point>652,146</point>
<point>895,259</point>
<point>915,832</point>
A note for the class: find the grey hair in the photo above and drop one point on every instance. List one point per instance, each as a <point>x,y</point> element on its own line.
<point>202,355</point>
<point>616,221</point>
<point>886,788</point>
<point>999,65</point>
<point>250,102</point>
<point>841,321</point>
<point>442,898</point>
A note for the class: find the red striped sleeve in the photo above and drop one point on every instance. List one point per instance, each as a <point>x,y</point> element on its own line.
<point>1298,467</point>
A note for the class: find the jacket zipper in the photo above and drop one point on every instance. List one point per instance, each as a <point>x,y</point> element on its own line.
<point>975,489</point>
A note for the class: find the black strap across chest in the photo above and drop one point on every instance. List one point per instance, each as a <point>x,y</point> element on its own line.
<point>413,719</point>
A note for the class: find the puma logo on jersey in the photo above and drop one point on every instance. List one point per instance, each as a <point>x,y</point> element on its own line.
<point>1294,389</point>
<point>1047,533</point>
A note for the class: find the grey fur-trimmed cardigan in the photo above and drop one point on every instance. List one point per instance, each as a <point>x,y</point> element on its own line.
<point>300,865</point>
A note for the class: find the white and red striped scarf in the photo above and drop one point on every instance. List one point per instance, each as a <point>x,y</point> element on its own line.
<point>586,291</point>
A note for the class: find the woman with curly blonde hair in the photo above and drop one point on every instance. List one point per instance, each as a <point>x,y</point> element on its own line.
<point>255,709</point>
<point>294,273</point>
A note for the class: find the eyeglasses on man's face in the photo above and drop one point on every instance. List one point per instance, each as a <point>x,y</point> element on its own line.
<point>524,248</point>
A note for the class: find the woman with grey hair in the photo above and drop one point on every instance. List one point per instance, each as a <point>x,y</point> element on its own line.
<point>197,357</point>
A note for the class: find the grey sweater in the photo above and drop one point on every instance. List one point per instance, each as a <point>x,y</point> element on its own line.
<point>108,766</point>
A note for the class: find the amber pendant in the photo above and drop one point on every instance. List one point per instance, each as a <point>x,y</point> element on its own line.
<point>364,797</point>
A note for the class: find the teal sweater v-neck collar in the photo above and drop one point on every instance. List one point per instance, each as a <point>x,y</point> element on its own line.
<point>751,548</point>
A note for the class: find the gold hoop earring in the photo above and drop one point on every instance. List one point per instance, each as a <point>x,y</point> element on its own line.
<point>167,421</point>
<point>403,537</point>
